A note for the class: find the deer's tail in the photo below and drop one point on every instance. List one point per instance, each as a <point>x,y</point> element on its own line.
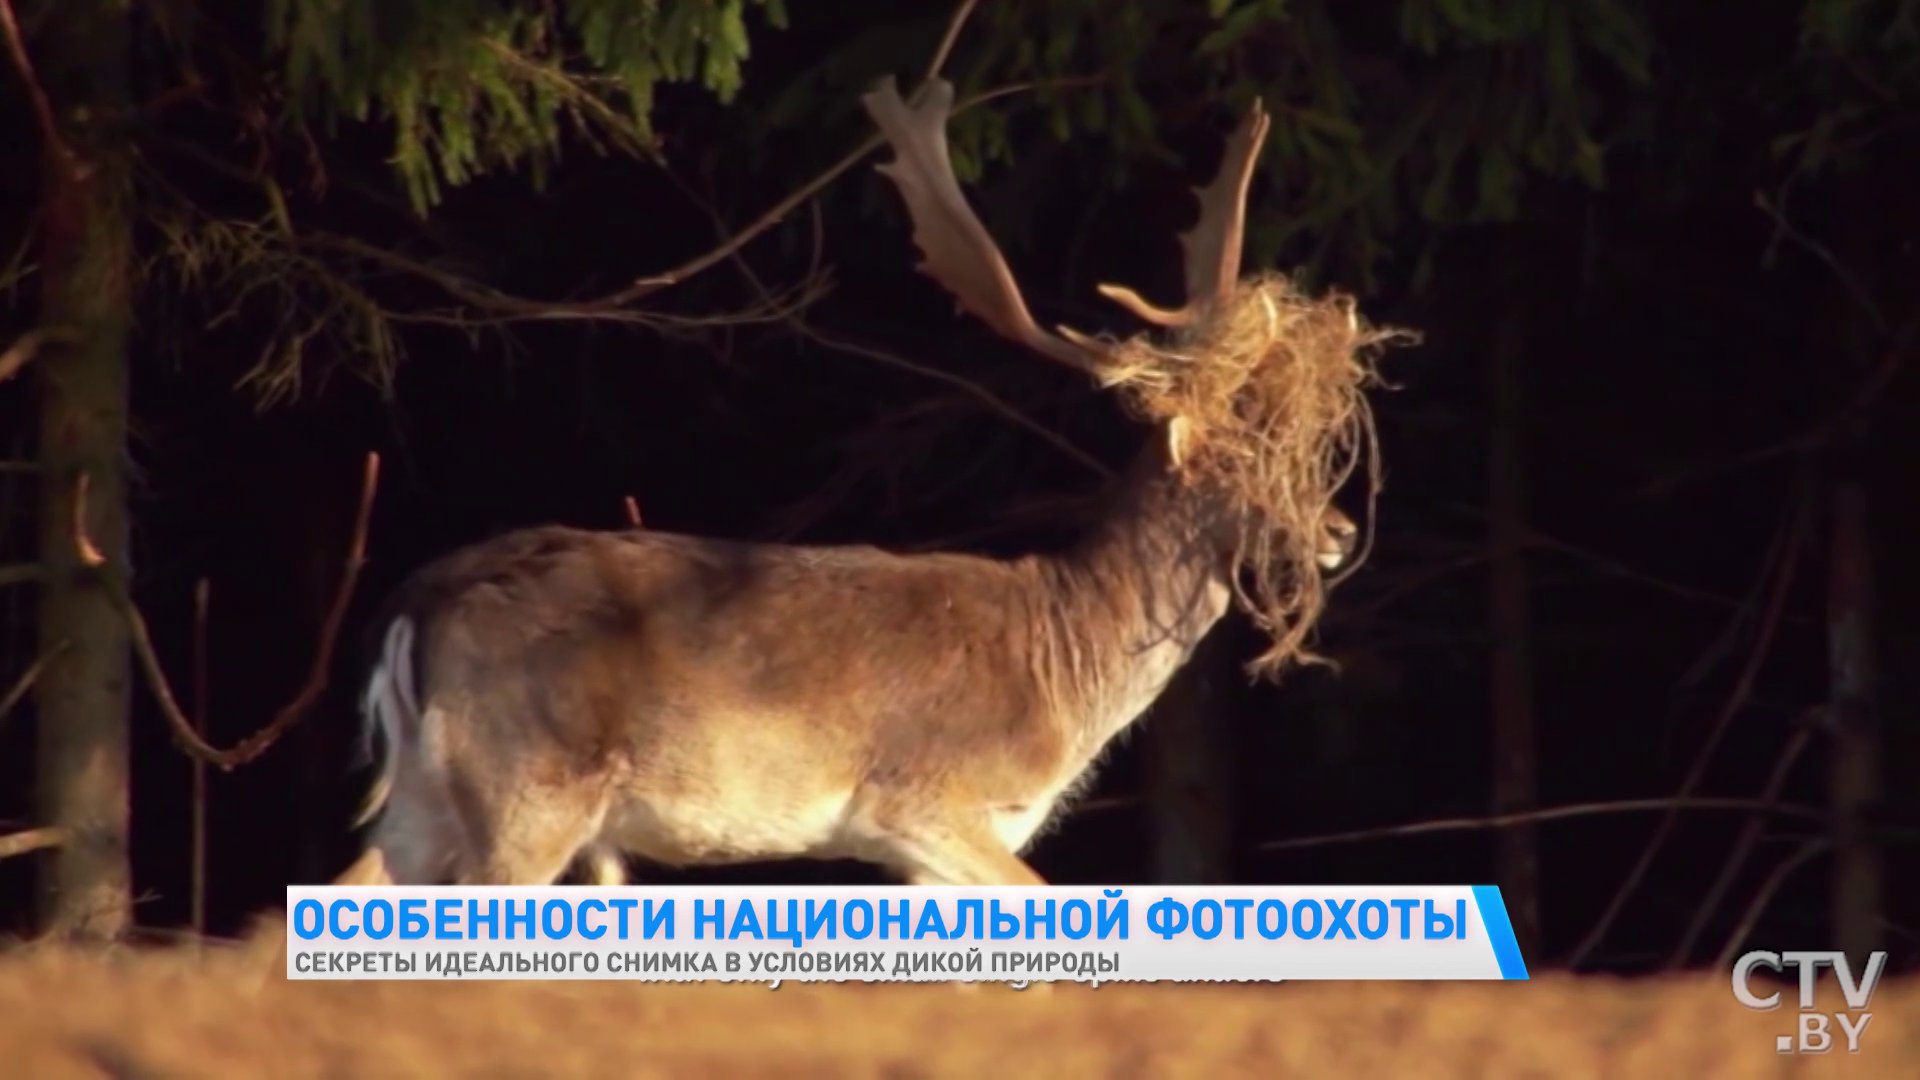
<point>388,709</point>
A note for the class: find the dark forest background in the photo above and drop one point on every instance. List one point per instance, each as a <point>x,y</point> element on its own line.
<point>1662,256</point>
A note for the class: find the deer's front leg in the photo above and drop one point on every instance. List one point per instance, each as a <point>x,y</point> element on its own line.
<point>988,865</point>
<point>927,853</point>
<point>599,864</point>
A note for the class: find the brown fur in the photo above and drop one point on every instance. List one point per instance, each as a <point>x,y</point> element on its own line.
<point>555,691</point>
<point>895,708</point>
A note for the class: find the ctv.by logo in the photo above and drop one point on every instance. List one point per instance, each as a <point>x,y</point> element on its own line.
<point>1813,1036</point>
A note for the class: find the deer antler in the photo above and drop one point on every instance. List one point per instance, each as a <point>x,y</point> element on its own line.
<point>957,250</point>
<point>963,258</point>
<point>1213,244</point>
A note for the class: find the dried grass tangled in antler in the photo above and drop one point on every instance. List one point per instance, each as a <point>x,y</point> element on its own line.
<point>1273,385</point>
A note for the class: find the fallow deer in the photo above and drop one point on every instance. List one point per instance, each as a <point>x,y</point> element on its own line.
<point>557,693</point>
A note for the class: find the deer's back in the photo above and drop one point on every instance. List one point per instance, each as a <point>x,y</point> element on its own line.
<point>613,639</point>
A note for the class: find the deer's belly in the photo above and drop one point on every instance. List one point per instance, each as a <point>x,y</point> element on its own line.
<point>714,828</point>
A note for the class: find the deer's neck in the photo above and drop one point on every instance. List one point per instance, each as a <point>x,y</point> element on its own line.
<point>1125,608</point>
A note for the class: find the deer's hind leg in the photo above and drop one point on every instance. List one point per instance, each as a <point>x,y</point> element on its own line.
<point>528,834</point>
<point>419,836</point>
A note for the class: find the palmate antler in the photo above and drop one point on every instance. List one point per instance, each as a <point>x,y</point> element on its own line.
<point>963,258</point>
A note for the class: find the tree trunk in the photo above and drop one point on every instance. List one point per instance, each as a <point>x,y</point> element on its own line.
<point>1852,655</point>
<point>1189,776</point>
<point>82,697</point>
<point>1518,859</point>
<point>1854,778</point>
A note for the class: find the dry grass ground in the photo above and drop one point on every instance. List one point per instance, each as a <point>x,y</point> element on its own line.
<point>154,1014</point>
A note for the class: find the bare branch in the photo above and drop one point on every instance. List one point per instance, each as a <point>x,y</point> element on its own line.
<point>1863,398</point>
<point>37,94</point>
<point>1786,230</point>
<point>1692,474</point>
<point>807,191</point>
<point>1552,813</point>
<point>27,678</point>
<point>947,40</point>
<point>287,266</point>
<point>972,389</point>
<point>29,344</point>
<point>318,287</point>
<point>23,843</point>
<point>614,306</point>
<point>501,307</point>
<point>959,382</point>
<point>1723,644</point>
<point>1897,342</point>
<point>22,573</point>
<point>1758,906</point>
<point>1750,835</point>
<point>1610,566</point>
<point>1736,700</point>
<point>183,729</point>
